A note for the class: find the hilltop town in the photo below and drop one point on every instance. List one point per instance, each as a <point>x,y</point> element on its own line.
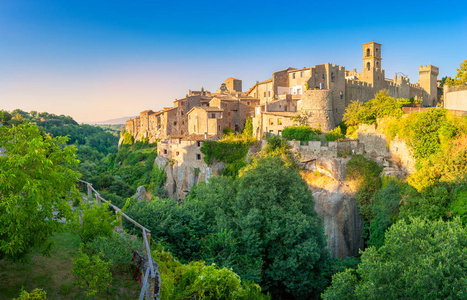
<point>320,93</point>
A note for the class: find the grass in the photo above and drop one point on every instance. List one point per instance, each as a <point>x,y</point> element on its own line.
<point>54,274</point>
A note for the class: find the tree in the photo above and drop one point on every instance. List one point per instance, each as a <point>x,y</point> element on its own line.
<point>36,294</point>
<point>91,273</point>
<point>277,223</point>
<point>36,183</point>
<point>419,260</point>
<point>462,73</point>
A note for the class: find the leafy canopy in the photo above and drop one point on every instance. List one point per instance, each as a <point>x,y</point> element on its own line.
<point>36,183</point>
<point>419,260</point>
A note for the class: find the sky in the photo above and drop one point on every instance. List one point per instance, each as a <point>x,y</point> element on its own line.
<point>97,60</point>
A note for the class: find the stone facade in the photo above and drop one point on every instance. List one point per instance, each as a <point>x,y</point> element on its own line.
<point>342,87</point>
<point>455,99</point>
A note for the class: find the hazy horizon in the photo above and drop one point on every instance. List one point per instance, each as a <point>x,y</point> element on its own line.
<point>100,60</point>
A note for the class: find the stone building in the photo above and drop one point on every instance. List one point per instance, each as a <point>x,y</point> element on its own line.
<point>337,88</point>
<point>232,104</point>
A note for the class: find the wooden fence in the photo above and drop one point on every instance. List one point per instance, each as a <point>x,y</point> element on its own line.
<point>151,286</point>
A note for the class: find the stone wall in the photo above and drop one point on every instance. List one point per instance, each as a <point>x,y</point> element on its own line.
<point>455,100</point>
<point>318,105</point>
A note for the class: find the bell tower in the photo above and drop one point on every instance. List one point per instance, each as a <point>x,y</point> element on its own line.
<point>371,56</point>
<point>372,70</point>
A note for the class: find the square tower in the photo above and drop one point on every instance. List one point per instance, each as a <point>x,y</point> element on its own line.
<point>371,56</point>
<point>429,82</point>
<point>233,84</point>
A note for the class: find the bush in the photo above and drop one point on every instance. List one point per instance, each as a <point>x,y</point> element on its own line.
<point>36,294</point>
<point>91,273</point>
<point>116,249</point>
<point>334,135</point>
<point>301,133</point>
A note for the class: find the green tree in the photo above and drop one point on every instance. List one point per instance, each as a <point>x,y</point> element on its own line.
<point>277,223</point>
<point>420,260</point>
<point>36,294</point>
<point>91,273</point>
<point>248,130</point>
<point>462,72</point>
<point>36,183</point>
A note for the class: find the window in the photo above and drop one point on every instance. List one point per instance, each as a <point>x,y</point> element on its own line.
<point>324,77</point>
<point>181,132</point>
<point>213,115</point>
<point>165,151</point>
<point>228,113</point>
<point>175,123</point>
<point>332,76</point>
<point>301,74</point>
<point>279,121</point>
<point>219,128</point>
<point>293,75</point>
<point>376,51</point>
<point>336,109</point>
<point>248,103</point>
<point>271,121</point>
<point>265,94</point>
<point>189,117</point>
<point>198,143</point>
<point>279,132</point>
<point>377,64</point>
<point>367,51</point>
<point>198,156</point>
<point>182,103</point>
<point>342,95</point>
<point>368,66</point>
<point>177,153</point>
<point>194,127</point>
<point>230,125</point>
<point>269,94</point>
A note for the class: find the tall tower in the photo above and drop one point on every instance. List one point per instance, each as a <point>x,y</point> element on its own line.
<point>372,70</point>
<point>429,82</point>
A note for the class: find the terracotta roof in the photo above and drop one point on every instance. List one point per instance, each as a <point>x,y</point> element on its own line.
<point>281,113</point>
<point>265,81</point>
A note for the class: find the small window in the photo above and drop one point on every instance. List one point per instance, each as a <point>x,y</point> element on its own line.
<point>279,121</point>
<point>189,117</point>
<point>228,114</point>
<point>264,94</point>
<point>175,123</point>
<point>248,103</point>
<point>177,153</point>
<point>219,128</point>
<point>324,77</point>
<point>336,109</point>
<point>230,125</point>
<point>181,131</point>
<point>293,75</point>
<point>279,132</point>
<point>182,103</point>
<point>376,51</point>
<point>271,121</point>
<point>165,151</point>
<point>213,115</point>
<point>198,143</point>
<point>367,51</point>
<point>368,66</point>
<point>301,74</point>
<point>377,64</point>
<point>269,94</point>
<point>342,95</point>
<point>332,76</point>
<point>198,156</point>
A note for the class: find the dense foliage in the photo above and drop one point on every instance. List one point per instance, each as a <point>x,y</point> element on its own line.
<point>36,180</point>
<point>419,260</point>
<point>461,77</point>
<point>262,225</point>
<point>301,133</point>
<point>382,105</point>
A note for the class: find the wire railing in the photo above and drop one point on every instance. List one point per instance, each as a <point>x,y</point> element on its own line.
<point>150,289</point>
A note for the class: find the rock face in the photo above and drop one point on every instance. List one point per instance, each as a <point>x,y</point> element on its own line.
<point>182,177</point>
<point>343,225</point>
<point>140,191</point>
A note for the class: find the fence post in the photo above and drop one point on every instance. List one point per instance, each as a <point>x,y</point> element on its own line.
<point>89,194</point>
<point>98,200</point>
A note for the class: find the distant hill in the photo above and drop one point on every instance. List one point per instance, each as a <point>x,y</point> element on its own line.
<point>118,121</point>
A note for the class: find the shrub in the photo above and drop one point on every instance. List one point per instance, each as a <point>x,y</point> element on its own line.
<point>334,135</point>
<point>301,133</point>
<point>91,273</point>
<point>36,294</point>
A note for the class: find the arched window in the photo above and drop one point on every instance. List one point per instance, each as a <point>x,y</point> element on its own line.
<point>376,51</point>
<point>367,51</point>
<point>368,65</point>
<point>377,64</point>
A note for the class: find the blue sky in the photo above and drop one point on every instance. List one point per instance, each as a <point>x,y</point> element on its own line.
<point>97,60</point>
